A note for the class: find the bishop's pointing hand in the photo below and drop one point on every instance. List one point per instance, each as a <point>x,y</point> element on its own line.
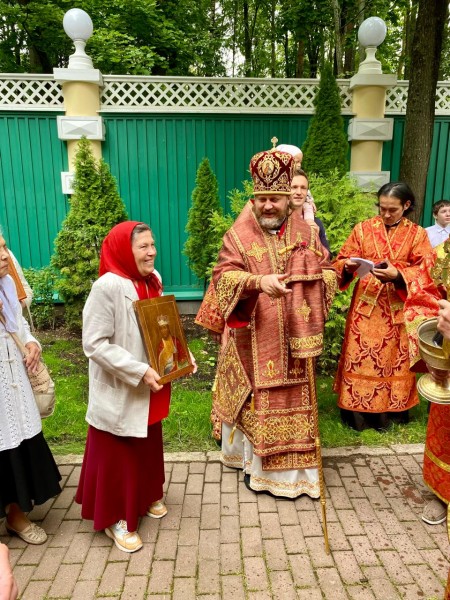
<point>273,285</point>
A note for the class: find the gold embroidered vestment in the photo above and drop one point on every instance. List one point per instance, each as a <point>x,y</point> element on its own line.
<point>273,340</point>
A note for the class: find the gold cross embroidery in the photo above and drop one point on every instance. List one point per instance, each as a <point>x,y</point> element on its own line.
<point>270,371</point>
<point>304,310</point>
<point>441,270</point>
<point>257,252</point>
<point>296,370</point>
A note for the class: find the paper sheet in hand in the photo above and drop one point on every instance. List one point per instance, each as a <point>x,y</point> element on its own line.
<point>365,266</point>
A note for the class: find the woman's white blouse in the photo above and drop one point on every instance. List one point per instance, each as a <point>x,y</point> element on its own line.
<point>19,416</point>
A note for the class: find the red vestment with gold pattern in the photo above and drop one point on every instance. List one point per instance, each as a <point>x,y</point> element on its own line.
<point>265,382</point>
<point>380,342</point>
<point>436,460</point>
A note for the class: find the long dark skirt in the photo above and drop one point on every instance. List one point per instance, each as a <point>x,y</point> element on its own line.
<point>28,475</point>
<point>120,477</point>
<point>379,421</point>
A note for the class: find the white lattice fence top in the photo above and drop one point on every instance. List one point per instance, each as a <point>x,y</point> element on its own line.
<point>194,94</point>
<point>397,97</point>
<point>126,93</point>
<point>443,98</point>
<point>30,92</point>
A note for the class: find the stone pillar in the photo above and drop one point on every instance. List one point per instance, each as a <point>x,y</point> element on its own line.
<point>369,128</point>
<point>81,85</point>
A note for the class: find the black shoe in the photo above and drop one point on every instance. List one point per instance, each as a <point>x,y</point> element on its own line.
<point>247,482</point>
<point>247,485</point>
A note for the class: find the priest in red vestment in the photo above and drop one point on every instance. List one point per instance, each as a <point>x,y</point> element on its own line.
<point>375,380</point>
<point>273,287</point>
<point>436,462</point>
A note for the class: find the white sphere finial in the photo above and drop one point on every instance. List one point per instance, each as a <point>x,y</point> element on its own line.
<point>78,26</point>
<point>371,34</point>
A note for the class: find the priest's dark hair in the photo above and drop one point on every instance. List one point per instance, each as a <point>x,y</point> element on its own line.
<point>399,190</point>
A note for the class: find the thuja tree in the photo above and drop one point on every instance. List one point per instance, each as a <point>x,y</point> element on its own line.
<point>341,204</point>
<point>326,146</point>
<point>200,247</point>
<point>95,208</point>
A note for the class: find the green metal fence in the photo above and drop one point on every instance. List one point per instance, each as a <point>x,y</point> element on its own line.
<point>32,206</point>
<point>155,158</point>
<point>438,181</point>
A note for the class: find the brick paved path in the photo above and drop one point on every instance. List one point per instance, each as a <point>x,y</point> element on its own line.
<point>221,541</point>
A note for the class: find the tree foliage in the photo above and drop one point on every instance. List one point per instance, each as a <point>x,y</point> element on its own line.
<point>326,146</point>
<point>200,248</point>
<point>256,38</point>
<point>419,120</point>
<point>130,36</point>
<point>95,208</point>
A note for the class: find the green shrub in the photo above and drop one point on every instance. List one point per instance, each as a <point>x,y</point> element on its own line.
<point>95,208</point>
<point>43,284</point>
<point>220,222</point>
<point>340,206</point>
<point>326,145</point>
<point>200,246</point>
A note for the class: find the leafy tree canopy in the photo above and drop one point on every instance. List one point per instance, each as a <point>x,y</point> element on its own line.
<point>257,38</point>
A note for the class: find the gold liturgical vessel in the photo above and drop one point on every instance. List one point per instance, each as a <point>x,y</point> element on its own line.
<point>434,350</point>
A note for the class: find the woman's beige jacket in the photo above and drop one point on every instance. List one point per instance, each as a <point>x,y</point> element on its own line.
<point>118,400</point>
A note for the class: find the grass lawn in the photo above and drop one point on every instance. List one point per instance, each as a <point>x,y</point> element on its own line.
<point>188,428</point>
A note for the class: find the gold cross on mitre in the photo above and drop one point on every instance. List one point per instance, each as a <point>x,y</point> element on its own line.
<point>274,141</point>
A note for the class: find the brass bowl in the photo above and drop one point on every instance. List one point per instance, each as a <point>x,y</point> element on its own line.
<point>434,391</point>
<point>435,385</point>
<point>431,354</point>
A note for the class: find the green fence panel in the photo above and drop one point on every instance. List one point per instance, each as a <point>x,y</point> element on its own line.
<point>438,180</point>
<point>32,205</point>
<point>155,160</point>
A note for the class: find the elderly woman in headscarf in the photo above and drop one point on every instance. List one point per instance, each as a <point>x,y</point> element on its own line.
<point>29,475</point>
<point>123,467</point>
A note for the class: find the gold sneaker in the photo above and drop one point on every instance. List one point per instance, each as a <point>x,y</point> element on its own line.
<point>127,541</point>
<point>157,510</point>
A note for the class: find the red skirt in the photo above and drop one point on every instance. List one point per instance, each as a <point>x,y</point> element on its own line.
<point>120,476</point>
